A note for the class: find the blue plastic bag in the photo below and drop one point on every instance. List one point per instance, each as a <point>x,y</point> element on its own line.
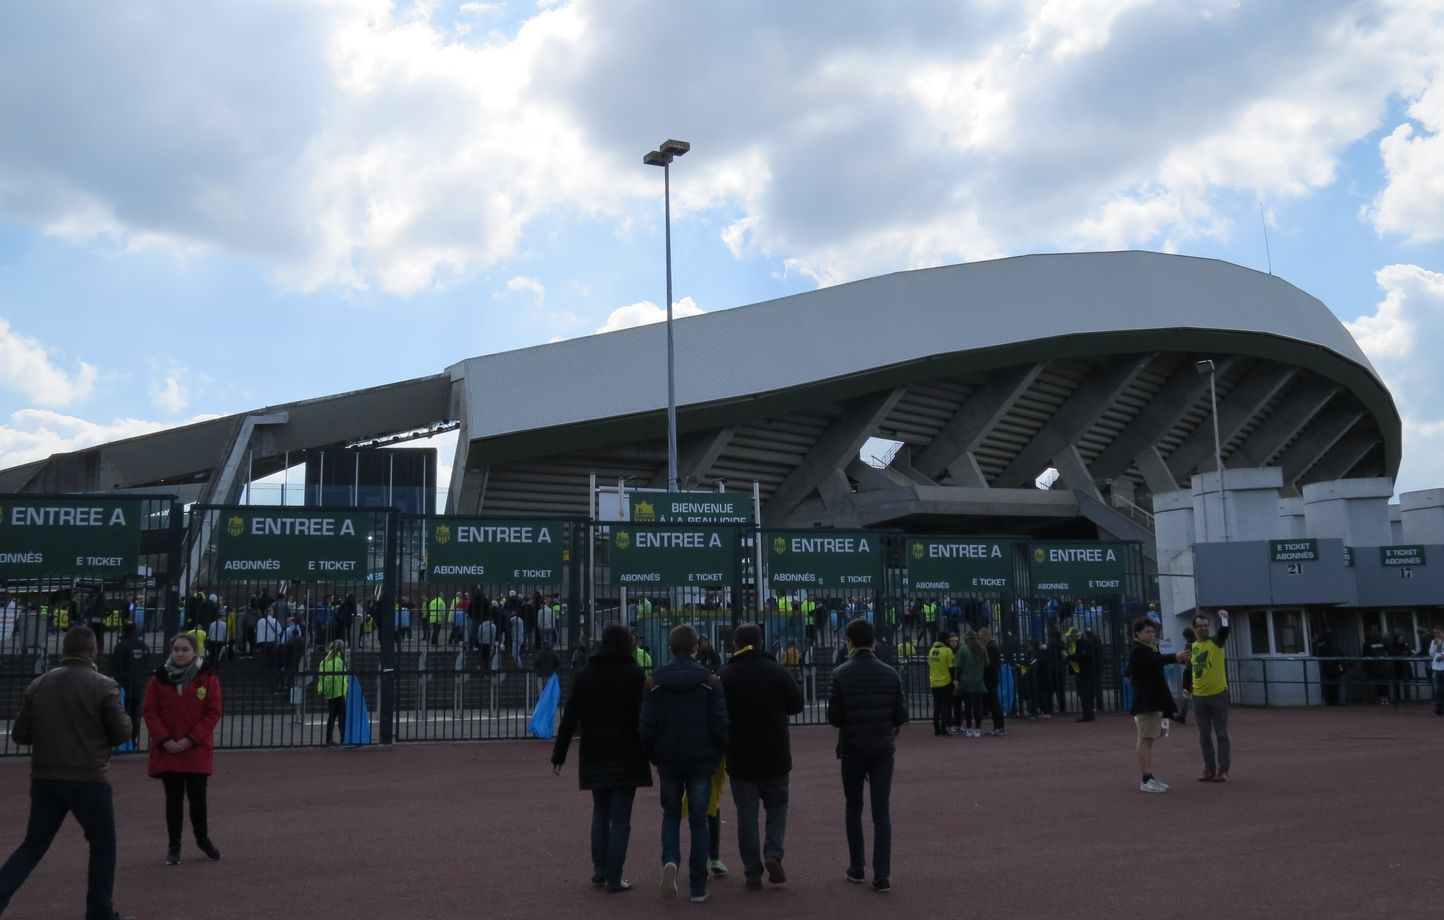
<point>544,717</point>
<point>358,718</point>
<point>126,746</point>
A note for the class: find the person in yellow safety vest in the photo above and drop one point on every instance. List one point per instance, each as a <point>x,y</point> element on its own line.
<point>784,604</point>
<point>200,636</point>
<point>930,616</point>
<point>437,614</point>
<point>644,658</point>
<point>809,619</point>
<point>940,681</point>
<point>906,649</point>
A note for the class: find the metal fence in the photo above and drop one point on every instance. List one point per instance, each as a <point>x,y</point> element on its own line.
<point>441,656</point>
<point>1335,681</point>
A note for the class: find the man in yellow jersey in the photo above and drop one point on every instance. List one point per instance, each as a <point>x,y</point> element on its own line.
<point>1210,694</point>
<point>940,681</point>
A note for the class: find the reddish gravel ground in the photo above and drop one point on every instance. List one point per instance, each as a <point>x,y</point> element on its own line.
<point>1332,813</point>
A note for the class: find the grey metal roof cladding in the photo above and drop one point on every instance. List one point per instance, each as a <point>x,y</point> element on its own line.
<point>897,319</point>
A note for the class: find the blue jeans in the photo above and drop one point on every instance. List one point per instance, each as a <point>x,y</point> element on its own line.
<point>611,829</point>
<point>50,801</point>
<point>877,772</point>
<point>772,794</point>
<point>699,789</point>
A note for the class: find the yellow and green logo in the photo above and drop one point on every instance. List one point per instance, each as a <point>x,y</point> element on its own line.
<point>918,550</point>
<point>644,512</point>
<point>624,539</point>
<point>443,534</point>
<point>1040,554</point>
<point>779,545</point>
<point>236,525</point>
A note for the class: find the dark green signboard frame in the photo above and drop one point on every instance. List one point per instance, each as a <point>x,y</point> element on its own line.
<point>303,544</point>
<point>965,565</point>
<point>478,550</point>
<point>1077,569</point>
<point>1301,550</point>
<point>673,556</point>
<point>1403,555</point>
<point>90,537</point>
<point>689,507</point>
<point>823,560</point>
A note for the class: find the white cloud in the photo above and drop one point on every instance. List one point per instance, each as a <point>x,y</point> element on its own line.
<point>377,149</point>
<point>173,388</point>
<point>34,434</point>
<point>1400,339</point>
<point>1412,203</point>
<point>26,365</point>
<point>529,285</point>
<point>645,311</point>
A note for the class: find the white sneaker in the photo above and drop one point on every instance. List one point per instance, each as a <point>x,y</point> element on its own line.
<point>1152,785</point>
<point>669,880</point>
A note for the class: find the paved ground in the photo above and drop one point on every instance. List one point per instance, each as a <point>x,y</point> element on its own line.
<point>1332,814</point>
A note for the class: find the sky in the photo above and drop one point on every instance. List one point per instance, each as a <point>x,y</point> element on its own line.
<point>209,208</point>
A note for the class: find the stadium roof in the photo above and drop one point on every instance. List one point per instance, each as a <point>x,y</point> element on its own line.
<point>988,373</point>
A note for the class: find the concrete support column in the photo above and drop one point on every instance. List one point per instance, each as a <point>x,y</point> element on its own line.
<point>1422,516</point>
<point>1353,510</point>
<point>1291,519</point>
<point>1251,504</point>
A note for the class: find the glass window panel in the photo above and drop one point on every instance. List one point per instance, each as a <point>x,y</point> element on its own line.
<point>1258,632</point>
<point>1288,632</point>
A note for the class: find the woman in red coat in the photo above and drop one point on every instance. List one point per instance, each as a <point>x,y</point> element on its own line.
<point>182,708</point>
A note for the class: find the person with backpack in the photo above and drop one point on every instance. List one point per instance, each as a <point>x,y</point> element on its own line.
<point>606,698</point>
<point>182,709</point>
<point>683,728</point>
<point>1084,666</point>
<point>293,653</point>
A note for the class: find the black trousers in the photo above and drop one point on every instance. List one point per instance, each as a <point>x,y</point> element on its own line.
<point>180,787</point>
<point>336,712</point>
<point>942,708</point>
<point>1085,695</point>
<point>995,708</point>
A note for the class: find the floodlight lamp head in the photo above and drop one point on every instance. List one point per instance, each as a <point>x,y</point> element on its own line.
<point>1204,367</point>
<point>656,158</point>
<point>674,148</point>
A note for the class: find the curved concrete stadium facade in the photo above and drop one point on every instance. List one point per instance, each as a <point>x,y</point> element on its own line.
<point>988,374</point>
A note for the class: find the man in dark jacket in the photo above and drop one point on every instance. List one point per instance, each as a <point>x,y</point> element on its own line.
<point>684,732</point>
<point>606,698</point>
<point>1085,670</point>
<point>760,696</point>
<point>1152,700</point>
<point>867,706</point>
<point>72,716</point>
<point>128,667</point>
<point>992,677</point>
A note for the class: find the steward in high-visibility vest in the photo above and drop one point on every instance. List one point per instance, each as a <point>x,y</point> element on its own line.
<point>784,604</point>
<point>437,610</point>
<point>644,660</point>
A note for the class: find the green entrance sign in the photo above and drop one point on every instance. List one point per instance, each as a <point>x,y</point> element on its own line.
<point>1293,550</point>
<point>68,537</point>
<point>673,556</point>
<point>689,508</point>
<point>823,559</point>
<point>300,544</point>
<point>960,564</point>
<point>475,550</point>
<point>1076,568</point>
<point>1393,556</point>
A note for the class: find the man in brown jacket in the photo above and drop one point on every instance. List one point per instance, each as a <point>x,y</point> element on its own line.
<point>72,717</point>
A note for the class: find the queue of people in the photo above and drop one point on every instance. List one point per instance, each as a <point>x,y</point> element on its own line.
<point>688,721</point>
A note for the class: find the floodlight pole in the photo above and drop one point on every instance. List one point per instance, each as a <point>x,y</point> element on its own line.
<point>1217,445</point>
<point>663,156</point>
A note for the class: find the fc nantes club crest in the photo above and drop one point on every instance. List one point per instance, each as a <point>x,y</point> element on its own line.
<point>779,545</point>
<point>443,534</point>
<point>918,551</point>
<point>1040,554</point>
<point>624,539</point>
<point>236,525</point>
<point>644,512</point>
